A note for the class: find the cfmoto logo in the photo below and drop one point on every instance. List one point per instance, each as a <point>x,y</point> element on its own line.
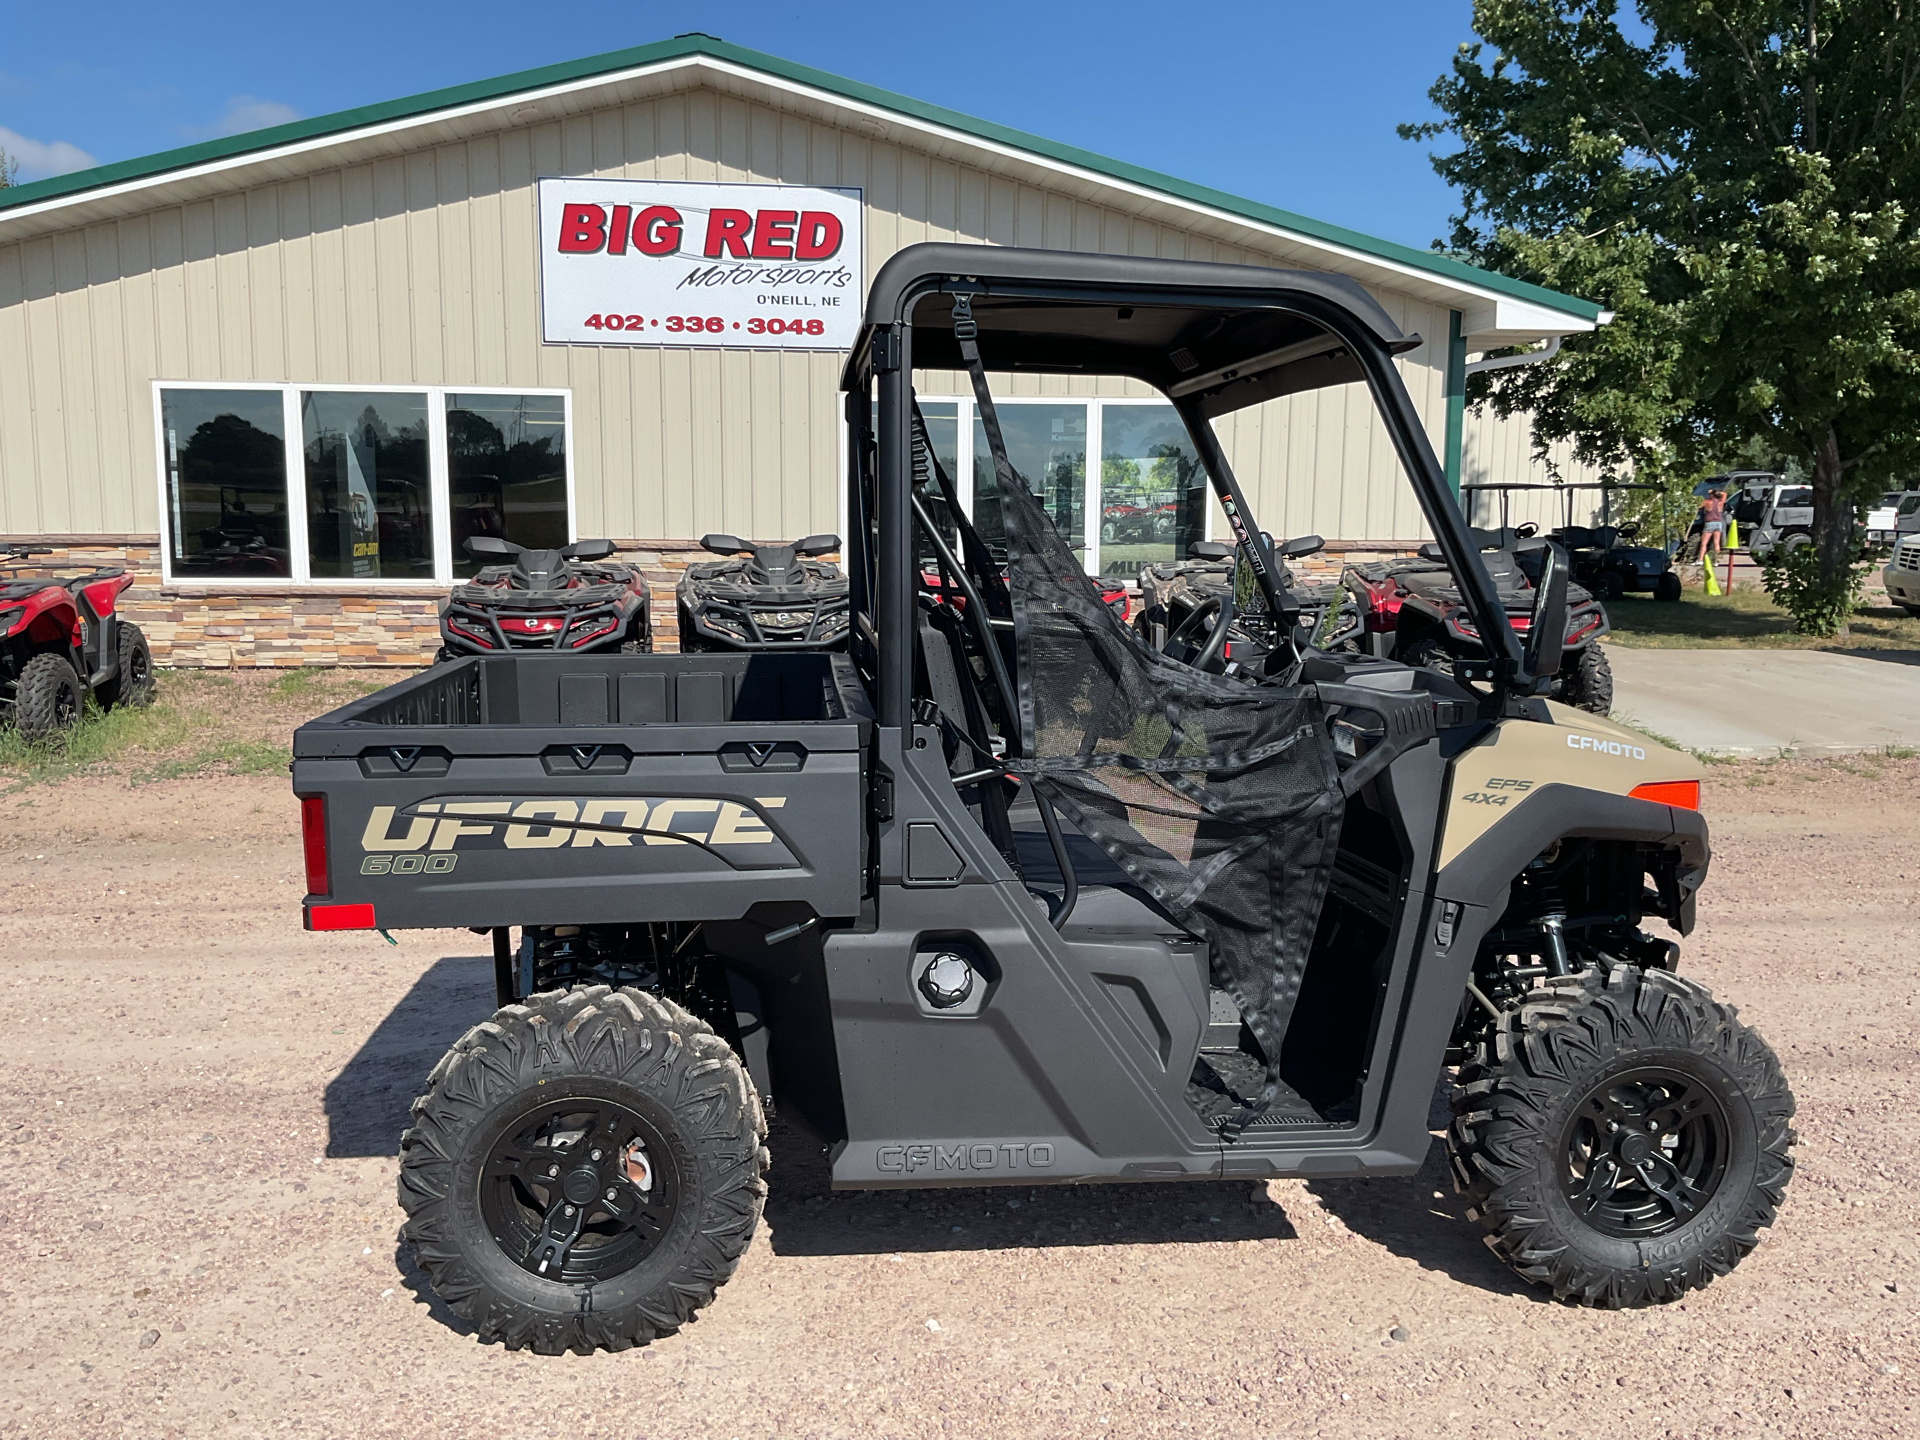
<point>1605,747</point>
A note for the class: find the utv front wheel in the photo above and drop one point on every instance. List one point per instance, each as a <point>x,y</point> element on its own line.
<point>1623,1138</point>
<point>47,701</point>
<point>584,1171</point>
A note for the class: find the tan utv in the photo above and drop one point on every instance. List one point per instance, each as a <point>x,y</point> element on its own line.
<point>1001,894</point>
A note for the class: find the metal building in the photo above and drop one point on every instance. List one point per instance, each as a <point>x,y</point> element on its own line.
<point>206,354</point>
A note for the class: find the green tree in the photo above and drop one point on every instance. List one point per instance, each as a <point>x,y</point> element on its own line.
<point>9,170</point>
<point>1739,181</point>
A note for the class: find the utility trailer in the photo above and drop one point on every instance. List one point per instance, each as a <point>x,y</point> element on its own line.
<point>1004,895</point>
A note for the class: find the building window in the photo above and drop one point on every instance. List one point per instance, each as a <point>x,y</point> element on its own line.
<point>1047,446</point>
<point>1145,503</point>
<point>507,471</point>
<point>369,496</point>
<point>342,485</point>
<point>224,476</point>
<point>1153,492</point>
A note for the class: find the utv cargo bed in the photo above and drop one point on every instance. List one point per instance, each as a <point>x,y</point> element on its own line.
<point>546,790</point>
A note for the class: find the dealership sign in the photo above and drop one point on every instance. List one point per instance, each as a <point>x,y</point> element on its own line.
<point>662,262</point>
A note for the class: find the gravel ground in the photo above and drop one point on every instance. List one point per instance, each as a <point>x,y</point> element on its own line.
<point>197,1216</point>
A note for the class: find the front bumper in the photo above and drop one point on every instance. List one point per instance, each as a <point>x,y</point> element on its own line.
<point>1903,585</point>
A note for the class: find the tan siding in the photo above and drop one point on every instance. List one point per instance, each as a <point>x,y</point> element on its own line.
<point>1501,451</point>
<point>423,269</point>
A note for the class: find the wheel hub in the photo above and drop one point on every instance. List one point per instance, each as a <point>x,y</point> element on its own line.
<point>579,1190</point>
<point>1645,1152</point>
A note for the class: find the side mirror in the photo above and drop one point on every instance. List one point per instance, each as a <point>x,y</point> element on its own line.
<point>817,545</point>
<point>1547,632</point>
<point>588,550</point>
<point>724,544</point>
<point>478,545</point>
<point>1301,545</point>
<point>1209,550</point>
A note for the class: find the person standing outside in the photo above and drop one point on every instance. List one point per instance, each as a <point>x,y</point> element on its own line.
<point>1713,522</point>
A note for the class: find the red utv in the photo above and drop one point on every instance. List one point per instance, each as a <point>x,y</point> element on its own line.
<point>60,641</point>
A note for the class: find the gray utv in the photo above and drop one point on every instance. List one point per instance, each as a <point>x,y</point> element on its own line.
<point>1002,895</point>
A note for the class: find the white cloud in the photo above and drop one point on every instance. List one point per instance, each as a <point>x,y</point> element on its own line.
<point>39,159</point>
<point>250,112</point>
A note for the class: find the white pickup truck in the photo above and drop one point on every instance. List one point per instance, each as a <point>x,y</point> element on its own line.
<point>1898,511</point>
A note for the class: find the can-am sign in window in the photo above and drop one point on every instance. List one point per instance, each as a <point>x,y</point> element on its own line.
<point>658,262</point>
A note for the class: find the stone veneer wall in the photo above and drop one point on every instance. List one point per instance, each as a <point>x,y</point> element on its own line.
<point>197,626</point>
<point>272,626</point>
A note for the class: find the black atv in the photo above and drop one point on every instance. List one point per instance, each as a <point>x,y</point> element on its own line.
<point>764,597</point>
<point>574,600</point>
<point>1182,603</point>
<point>1607,562</point>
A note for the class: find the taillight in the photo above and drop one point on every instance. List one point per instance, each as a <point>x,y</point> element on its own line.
<point>313,838</point>
<point>340,917</point>
<point>1681,794</point>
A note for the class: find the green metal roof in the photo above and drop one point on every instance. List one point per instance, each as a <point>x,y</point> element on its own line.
<point>344,122</point>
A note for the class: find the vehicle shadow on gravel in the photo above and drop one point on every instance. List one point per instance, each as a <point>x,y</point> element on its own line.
<point>1419,1216</point>
<point>367,1103</point>
<point>804,1217</point>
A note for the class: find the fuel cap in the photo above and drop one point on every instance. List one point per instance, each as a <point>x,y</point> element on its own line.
<point>947,982</point>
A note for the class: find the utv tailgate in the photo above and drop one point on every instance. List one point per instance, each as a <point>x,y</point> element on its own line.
<point>553,790</point>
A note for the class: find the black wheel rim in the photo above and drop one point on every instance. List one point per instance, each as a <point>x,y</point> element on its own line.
<point>580,1190</point>
<point>1645,1153</point>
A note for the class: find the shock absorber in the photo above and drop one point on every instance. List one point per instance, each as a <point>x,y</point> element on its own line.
<point>1553,927</point>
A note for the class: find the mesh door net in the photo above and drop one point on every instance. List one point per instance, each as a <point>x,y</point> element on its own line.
<point>1219,798</point>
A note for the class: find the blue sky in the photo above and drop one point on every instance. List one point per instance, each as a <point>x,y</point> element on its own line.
<point>1290,103</point>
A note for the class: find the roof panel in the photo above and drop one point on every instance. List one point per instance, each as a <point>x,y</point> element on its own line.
<point>1312,239</point>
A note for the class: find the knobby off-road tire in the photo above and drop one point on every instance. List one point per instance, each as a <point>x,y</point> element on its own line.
<point>132,684</point>
<point>48,700</point>
<point>1587,681</point>
<point>1534,1145</point>
<point>481,1197</point>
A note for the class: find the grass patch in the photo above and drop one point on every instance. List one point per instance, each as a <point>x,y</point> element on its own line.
<point>201,722</point>
<point>1747,618</point>
<point>1705,757</point>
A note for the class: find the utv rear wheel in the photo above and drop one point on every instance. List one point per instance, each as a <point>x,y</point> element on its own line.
<point>584,1171</point>
<point>1586,680</point>
<point>132,684</point>
<point>1623,1138</point>
<point>1667,587</point>
<point>48,700</point>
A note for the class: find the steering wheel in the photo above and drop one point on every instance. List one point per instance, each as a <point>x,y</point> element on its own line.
<point>1213,649</point>
<point>1526,530</point>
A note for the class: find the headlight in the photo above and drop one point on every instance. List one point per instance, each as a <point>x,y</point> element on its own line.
<point>11,618</point>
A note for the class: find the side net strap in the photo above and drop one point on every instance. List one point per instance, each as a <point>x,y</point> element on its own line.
<point>1220,799</point>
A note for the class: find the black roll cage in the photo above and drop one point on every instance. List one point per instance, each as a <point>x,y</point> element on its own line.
<point>882,593</point>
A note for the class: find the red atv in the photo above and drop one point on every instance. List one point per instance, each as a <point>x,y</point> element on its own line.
<point>60,641</point>
<point>573,599</point>
<point>1412,610</point>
